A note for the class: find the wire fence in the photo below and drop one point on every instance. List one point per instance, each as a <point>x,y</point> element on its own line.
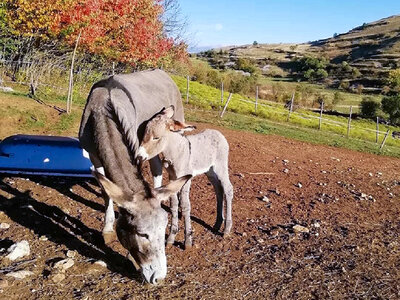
<point>350,128</point>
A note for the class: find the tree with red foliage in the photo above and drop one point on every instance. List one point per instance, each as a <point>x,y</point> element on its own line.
<point>129,31</point>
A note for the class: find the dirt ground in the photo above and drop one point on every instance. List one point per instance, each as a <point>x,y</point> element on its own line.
<point>348,205</point>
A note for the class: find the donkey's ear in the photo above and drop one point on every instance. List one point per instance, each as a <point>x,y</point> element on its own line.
<point>180,127</point>
<point>169,111</point>
<point>164,192</point>
<point>113,191</point>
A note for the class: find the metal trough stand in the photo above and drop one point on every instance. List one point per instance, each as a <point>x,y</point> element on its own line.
<point>44,155</point>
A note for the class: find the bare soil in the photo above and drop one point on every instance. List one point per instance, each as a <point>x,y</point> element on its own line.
<point>347,201</point>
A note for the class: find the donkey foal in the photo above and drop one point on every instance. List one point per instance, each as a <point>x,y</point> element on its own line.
<point>205,152</point>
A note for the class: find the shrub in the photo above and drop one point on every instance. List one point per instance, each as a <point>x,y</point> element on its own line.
<point>391,106</point>
<point>344,85</point>
<point>246,65</point>
<point>214,78</point>
<point>199,71</point>
<point>359,88</point>
<point>312,68</point>
<point>394,79</point>
<point>337,98</point>
<point>369,107</point>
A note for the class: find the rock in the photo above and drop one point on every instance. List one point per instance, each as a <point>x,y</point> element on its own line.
<point>363,195</point>
<point>240,175</point>
<point>6,89</point>
<point>64,264</point>
<point>3,283</point>
<point>43,238</point>
<point>317,225</point>
<point>58,278</point>
<point>101,263</point>
<point>285,161</point>
<point>4,226</point>
<point>286,171</point>
<point>18,250</point>
<point>370,174</point>
<point>20,274</point>
<point>299,185</point>
<point>264,198</point>
<point>323,172</point>
<point>276,191</point>
<point>71,254</point>
<point>299,228</point>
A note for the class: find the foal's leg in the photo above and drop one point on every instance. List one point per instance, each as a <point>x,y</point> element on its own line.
<point>156,170</point>
<point>219,192</point>
<point>109,218</point>
<point>185,204</point>
<point>221,171</point>
<point>174,219</point>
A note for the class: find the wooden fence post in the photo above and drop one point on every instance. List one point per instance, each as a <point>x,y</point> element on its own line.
<point>384,140</point>
<point>187,89</point>
<point>71,76</point>
<point>255,107</point>
<point>377,130</point>
<point>320,115</point>
<point>349,122</point>
<point>222,92</point>
<point>290,108</point>
<point>226,105</point>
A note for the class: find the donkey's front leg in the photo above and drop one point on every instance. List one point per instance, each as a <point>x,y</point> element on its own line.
<point>185,204</point>
<point>109,218</point>
<point>174,219</point>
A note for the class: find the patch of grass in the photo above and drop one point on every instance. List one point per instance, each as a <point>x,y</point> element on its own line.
<point>67,122</point>
<point>260,125</point>
<point>209,98</point>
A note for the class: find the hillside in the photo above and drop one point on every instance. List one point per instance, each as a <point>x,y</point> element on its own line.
<point>373,49</point>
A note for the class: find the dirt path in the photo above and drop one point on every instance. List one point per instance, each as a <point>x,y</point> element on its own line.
<point>347,201</point>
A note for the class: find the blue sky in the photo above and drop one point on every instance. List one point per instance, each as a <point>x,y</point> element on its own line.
<point>221,22</point>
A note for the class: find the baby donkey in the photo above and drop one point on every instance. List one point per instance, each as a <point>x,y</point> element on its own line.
<point>205,152</point>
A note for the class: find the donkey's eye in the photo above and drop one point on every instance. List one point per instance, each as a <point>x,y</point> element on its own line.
<point>146,236</point>
<point>155,138</point>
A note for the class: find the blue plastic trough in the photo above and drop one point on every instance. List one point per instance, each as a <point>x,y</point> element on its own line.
<point>43,155</point>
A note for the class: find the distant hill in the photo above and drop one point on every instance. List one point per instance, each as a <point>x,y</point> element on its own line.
<point>372,48</point>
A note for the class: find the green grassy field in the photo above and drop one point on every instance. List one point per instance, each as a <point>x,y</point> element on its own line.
<point>260,125</point>
<point>349,99</point>
<point>209,98</point>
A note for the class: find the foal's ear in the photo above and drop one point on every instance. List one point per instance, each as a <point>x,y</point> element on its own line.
<point>169,111</point>
<point>180,127</point>
<point>164,192</point>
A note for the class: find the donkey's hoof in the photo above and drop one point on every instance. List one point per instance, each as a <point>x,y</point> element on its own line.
<point>109,237</point>
<point>188,245</point>
<point>227,234</point>
<point>170,240</point>
<point>169,244</point>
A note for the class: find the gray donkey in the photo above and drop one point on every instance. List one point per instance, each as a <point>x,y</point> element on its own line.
<point>112,126</point>
<point>205,152</point>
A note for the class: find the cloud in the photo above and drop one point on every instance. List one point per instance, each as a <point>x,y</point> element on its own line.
<point>218,27</point>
